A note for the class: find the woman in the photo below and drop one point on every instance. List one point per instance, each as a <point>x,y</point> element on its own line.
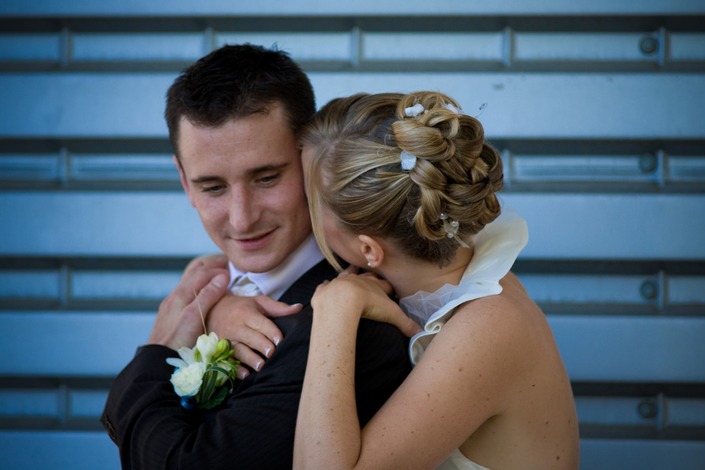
<point>405,186</point>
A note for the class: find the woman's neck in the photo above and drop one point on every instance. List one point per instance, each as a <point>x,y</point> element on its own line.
<point>409,275</point>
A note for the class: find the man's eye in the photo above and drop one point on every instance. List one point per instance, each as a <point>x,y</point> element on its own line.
<point>212,189</point>
<point>268,179</point>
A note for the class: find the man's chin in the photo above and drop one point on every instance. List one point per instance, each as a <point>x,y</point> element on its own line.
<point>251,264</point>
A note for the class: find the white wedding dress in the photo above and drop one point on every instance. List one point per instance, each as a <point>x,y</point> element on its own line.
<point>496,248</point>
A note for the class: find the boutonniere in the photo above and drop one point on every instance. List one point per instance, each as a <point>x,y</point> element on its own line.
<point>205,374</point>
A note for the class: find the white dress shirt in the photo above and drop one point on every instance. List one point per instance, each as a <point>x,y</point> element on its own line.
<point>275,282</point>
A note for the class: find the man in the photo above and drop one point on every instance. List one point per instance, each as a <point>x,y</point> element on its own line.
<point>233,119</point>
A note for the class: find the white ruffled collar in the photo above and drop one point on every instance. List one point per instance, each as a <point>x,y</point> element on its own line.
<point>496,247</point>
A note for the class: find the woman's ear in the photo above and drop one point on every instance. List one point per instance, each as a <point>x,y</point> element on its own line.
<point>372,250</point>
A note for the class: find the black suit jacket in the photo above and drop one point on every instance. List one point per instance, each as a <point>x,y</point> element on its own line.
<point>254,428</point>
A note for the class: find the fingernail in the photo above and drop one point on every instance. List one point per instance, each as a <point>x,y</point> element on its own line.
<point>276,340</point>
<point>242,373</point>
<point>219,280</point>
<point>258,366</point>
<point>267,351</point>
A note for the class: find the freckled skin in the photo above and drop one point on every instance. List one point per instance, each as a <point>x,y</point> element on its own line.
<point>486,385</point>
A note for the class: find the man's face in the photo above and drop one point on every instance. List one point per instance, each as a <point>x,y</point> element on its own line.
<point>244,178</point>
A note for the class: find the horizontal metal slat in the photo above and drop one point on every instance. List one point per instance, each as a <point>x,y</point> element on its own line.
<point>602,288</point>
<point>101,224</point>
<point>614,226</point>
<point>49,8</point>
<point>561,226</point>
<point>625,454</point>
<point>631,349</point>
<point>357,47</point>
<point>71,404</point>
<point>72,344</point>
<point>41,450</point>
<point>603,292</point>
<point>176,46</point>
<point>551,105</point>
<point>536,106</point>
<point>646,168</point>
<point>54,405</point>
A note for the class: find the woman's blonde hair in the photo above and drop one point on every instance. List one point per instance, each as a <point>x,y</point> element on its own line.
<point>355,171</point>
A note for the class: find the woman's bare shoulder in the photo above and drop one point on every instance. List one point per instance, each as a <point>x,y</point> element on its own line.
<point>499,324</point>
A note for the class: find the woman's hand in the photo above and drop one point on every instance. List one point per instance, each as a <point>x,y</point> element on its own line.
<point>365,295</point>
<point>245,321</point>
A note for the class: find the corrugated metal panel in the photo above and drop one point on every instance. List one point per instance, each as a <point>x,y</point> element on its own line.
<point>596,106</point>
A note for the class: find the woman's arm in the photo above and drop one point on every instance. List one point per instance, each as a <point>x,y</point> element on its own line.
<point>462,380</point>
<point>328,410</point>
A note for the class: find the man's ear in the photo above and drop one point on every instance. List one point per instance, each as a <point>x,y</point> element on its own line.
<point>372,250</point>
<point>184,181</point>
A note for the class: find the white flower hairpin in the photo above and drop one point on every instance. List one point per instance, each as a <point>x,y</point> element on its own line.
<point>451,227</point>
<point>453,108</point>
<point>408,161</point>
<point>415,110</point>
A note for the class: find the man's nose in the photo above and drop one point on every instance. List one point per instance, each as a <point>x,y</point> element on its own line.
<point>243,211</point>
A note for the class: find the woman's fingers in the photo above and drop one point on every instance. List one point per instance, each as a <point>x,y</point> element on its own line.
<point>406,325</point>
<point>274,309</point>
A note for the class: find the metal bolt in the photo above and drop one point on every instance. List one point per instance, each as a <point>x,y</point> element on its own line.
<point>647,409</point>
<point>648,163</point>
<point>648,45</point>
<point>649,290</point>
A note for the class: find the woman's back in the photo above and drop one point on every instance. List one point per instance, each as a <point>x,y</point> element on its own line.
<point>536,424</point>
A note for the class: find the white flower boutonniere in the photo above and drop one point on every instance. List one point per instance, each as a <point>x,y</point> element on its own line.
<point>206,373</point>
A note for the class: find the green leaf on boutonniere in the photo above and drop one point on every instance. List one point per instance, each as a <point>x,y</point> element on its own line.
<point>216,399</point>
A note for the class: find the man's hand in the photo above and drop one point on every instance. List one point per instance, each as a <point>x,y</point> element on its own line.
<point>181,315</point>
<point>245,321</point>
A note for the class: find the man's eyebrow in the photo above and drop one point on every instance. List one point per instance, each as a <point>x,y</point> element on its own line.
<point>206,179</point>
<point>251,173</point>
<point>266,168</point>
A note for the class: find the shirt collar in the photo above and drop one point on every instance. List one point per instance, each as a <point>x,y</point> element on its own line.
<point>275,282</point>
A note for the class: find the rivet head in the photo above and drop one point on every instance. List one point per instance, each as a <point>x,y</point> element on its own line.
<point>647,409</point>
<point>648,163</point>
<point>649,290</point>
<point>648,45</point>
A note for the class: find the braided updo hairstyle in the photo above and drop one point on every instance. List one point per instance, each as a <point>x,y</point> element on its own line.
<point>355,171</point>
